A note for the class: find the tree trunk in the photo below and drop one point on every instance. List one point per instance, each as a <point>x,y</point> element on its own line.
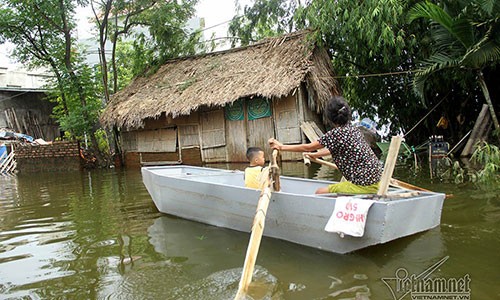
<point>103,36</point>
<point>486,93</point>
<point>114,41</point>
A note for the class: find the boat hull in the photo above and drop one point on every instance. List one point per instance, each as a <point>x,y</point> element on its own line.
<point>218,197</point>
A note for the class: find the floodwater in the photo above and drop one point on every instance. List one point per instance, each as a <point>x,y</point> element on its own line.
<point>98,235</point>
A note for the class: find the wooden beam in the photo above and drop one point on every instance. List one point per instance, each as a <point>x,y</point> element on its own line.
<point>313,133</point>
<point>483,120</point>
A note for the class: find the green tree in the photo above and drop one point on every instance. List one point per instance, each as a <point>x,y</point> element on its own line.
<point>466,37</point>
<point>116,20</point>
<point>169,36</point>
<point>157,28</point>
<point>42,32</point>
<point>263,19</point>
<point>373,50</point>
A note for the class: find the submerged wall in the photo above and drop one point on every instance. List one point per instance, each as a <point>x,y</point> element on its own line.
<point>58,156</point>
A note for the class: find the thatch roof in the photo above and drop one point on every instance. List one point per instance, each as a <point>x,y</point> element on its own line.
<point>271,68</point>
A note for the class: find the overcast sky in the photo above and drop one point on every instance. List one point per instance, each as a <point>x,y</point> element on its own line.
<point>213,11</point>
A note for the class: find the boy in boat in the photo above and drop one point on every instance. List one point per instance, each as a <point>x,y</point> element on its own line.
<point>255,156</point>
<point>350,152</point>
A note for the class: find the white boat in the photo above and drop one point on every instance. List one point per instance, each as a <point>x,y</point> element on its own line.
<point>218,197</point>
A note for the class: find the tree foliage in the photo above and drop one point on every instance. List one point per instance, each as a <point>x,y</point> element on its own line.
<point>468,40</point>
<point>167,28</point>
<point>375,53</point>
<point>42,32</point>
<point>263,19</point>
<point>373,50</point>
<point>158,28</point>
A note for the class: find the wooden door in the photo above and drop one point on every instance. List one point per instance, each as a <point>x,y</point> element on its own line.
<point>213,136</point>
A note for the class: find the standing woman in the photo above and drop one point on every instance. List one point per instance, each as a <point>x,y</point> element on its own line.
<point>350,152</point>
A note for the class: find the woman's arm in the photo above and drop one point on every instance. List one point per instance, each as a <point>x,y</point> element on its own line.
<point>275,144</point>
<point>320,153</point>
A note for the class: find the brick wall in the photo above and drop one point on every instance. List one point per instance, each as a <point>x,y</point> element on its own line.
<point>58,156</point>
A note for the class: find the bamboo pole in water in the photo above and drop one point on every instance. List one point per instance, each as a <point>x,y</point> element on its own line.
<point>258,225</point>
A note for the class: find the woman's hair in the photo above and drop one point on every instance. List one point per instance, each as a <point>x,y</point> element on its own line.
<point>338,111</point>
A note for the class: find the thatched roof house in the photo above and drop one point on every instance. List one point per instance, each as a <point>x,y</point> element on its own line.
<point>185,89</point>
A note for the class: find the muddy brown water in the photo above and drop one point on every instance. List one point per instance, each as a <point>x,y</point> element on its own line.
<point>98,235</point>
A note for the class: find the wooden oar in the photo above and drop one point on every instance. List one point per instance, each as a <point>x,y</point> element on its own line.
<point>267,186</point>
<point>393,182</point>
<point>398,183</point>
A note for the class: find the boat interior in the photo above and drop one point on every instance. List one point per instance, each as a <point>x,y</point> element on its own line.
<point>234,178</point>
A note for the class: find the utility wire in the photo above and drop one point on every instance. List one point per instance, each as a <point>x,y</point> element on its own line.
<point>375,75</point>
<point>220,24</point>
<point>425,116</point>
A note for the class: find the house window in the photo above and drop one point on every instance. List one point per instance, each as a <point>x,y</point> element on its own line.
<point>158,140</point>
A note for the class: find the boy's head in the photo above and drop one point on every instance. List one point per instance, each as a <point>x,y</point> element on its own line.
<point>255,156</point>
<point>338,111</point>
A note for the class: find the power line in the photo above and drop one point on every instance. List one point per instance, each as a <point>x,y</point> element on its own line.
<point>376,74</point>
<point>216,25</point>
<point>225,22</point>
<point>428,113</point>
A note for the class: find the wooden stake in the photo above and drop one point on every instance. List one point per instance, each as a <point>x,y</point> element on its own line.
<point>390,163</point>
<point>479,127</point>
<point>307,160</point>
<point>275,172</point>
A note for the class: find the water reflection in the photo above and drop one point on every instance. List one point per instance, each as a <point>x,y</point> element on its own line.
<point>202,250</point>
<point>57,230</point>
<point>98,235</point>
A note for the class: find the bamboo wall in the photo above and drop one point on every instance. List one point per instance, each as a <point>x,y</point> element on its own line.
<point>208,136</point>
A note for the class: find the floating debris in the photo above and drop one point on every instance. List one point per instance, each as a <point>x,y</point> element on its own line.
<point>296,287</point>
<point>361,291</point>
<point>335,281</point>
<point>360,276</point>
